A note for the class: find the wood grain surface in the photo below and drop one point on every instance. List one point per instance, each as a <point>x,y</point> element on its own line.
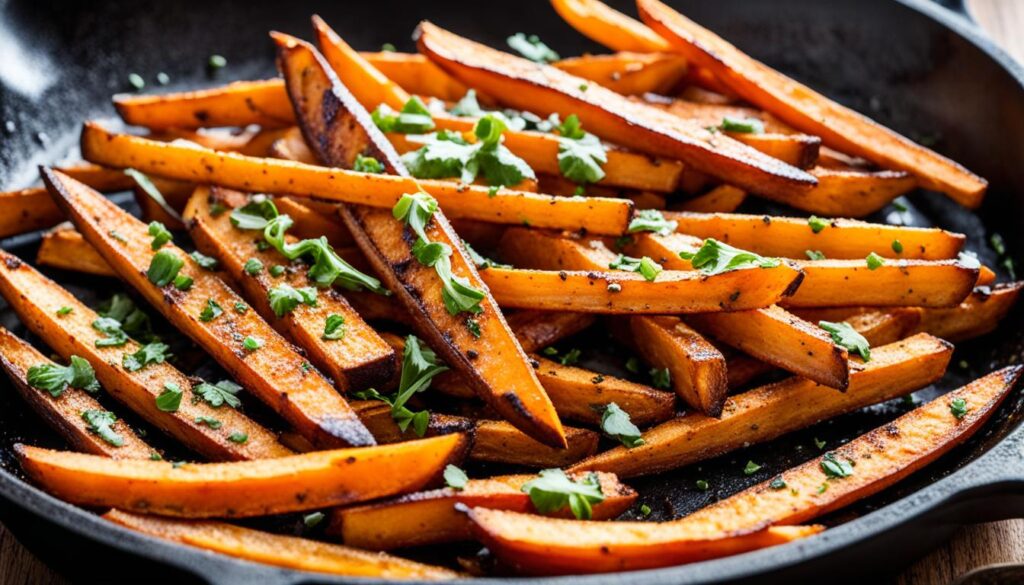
<point>975,546</point>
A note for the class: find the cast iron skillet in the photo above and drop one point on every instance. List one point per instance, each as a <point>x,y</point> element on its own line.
<point>914,66</point>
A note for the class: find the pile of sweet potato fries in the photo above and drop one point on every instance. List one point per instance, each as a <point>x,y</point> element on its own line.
<point>488,206</point>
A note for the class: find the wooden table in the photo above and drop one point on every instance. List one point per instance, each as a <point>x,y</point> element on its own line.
<point>997,542</point>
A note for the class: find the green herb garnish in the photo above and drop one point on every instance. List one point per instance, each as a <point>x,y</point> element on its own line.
<point>101,423</point>
<point>553,490</point>
<point>846,336</point>
<point>55,378</point>
<point>616,423</point>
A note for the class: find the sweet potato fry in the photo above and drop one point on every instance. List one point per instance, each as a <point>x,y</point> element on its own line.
<point>846,283</point>
<point>242,489</point>
<point>358,360</point>
<point>237,104</point>
<point>278,550</point>
<point>769,411</point>
<point>27,210</point>
<point>64,248</point>
<point>413,72</point>
<point>874,461</point>
<point>431,518</point>
<point>674,292</point>
<point>980,313</point>
<point>493,441</point>
<point>489,357</point>
<point>37,299</point>
<point>538,149</point>
<point>236,171</point>
<point>546,90</point>
<point>628,73</point>
<point>64,412</point>
<point>791,237</point>
<point>274,373</point>
<point>697,370</point>
<point>536,330</point>
<point>609,27</point>
<point>804,109</point>
<point>314,219</point>
<point>854,193</point>
<point>536,545</point>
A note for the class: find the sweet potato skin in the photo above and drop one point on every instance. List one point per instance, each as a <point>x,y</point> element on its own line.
<point>358,360</point>
<point>769,411</point>
<point>339,129</point>
<point>242,489</point>
<point>36,300</point>
<point>922,283</point>
<point>882,457</point>
<point>430,517</point>
<point>546,90</point>
<point>278,550</point>
<point>274,373</point>
<point>806,110</point>
<point>64,413</point>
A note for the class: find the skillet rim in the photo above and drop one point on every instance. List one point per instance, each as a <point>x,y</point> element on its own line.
<point>998,472</point>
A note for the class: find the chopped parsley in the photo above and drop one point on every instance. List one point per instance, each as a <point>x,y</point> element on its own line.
<point>702,485</point>
<point>219,394</point>
<point>532,48</point>
<point>616,423</point>
<point>161,235</point>
<point>661,378</point>
<point>449,155</point>
<point>367,164</point>
<point>55,378</point>
<point>209,421</point>
<point>652,220</point>
<point>183,282</point>
<point>334,327</point>
<point>571,357</point>
<point>251,343</point>
<point>115,336</point>
<point>151,353</point>
<point>777,483</point>
<point>255,214</point>
<point>64,311</point>
<point>284,298</point>
<point>205,262</point>
<point>414,118</point>
<point>238,437</point>
<point>241,308</point>
<point>958,406</point>
<point>164,267</point>
<point>846,336</point>
<point>419,366</point>
<point>134,321</point>
<point>553,490</point>
<point>473,326</point>
<point>874,261</point>
<point>647,267</point>
<point>814,254</point>
<point>211,311</point>
<point>253,266</point>
<point>714,257</point>
<point>313,520</point>
<point>751,468</point>
<point>834,468</point>
<point>276,270</point>
<point>101,423</point>
<point>742,125</point>
<point>580,154</point>
<point>897,246</point>
<point>817,224</point>
<point>170,399</point>
<point>645,510</point>
<point>455,478</point>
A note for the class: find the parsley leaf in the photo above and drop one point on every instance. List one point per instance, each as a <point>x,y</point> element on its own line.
<point>334,327</point>
<point>211,311</point>
<point>834,468</point>
<point>134,321</point>
<point>238,437</point>
<point>814,254</point>
<point>616,423</point>
<point>205,262</point>
<point>532,48</point>
<point>253,266</point>
<point>219,394</point>
<point>284,298</point>
<point>447,154</point>
<point>101,423</point>
<point>419,366</point>
<point>645,266</point>
<point>742,125</point>
<point>416,210</point>
<point>55,378</point>
<point>161,235</point>
<point>751,468</point>
<point>251,343</point>
<point>817,224</point>
<point>553,490</point>
<point>367,164</point>
<point>209,421</point>
<point>164,267</point>
<point>580,154</point>
<point>652,220</point>
<point>170,399</point>
<point>874,261</point>
<point>661,378</point>
<point>455,478</point>
<point>846,336</point>
<point>715,257</point>
<point>958,406</point>
<point>414,118</point>
<point>255,214</point>
<point>151,353</point>
<point>115,336</point>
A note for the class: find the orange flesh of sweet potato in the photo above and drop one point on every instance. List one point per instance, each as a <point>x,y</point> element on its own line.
<point>921,283</point>
<point>246,173</point>
<point>413,72</point>
<point>64,413</point>
<point>27,210</point>
<point>36,299</point>
<point>980,313</point>
<point>546,90</point>
<point>430,517</point>
<point>854,193</point>
<point>880,458</point>
<point>274,373</point>
<point>536,330</point>
<point>65,248</point>
<point>358,360</point>
<point>278,550</point>
<point>314,219</point>
<point>606,26</point>
<point>242,489</point>
<point>791,237</point>
<point>536,545</point>
<point>237,104</point>
<point>492,361</point>
<point>769,411</point>
<point>803,108</point>
<point>628,73</point>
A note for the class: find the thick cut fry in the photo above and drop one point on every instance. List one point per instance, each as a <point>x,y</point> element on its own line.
<point>724,198</point>
<point>64,413</point>
<point>767,412</point>
<point>431,518</point>
<point>979,314</point>
<point>413,72</point>
<point>490,358</point>
<point>850,283</point>
<point>63,247</point>
<point>763,334</point>
<point>628,73</point>
<point>791,237</point>
<point>536,545</point>
<point>493,441</point>
<point>803,108</point>
<point>237,104</point>
<point>877,460</point>
<point>854,193</point>
<point>275,372</point>
<point>358,360</point>
<point>608,27</point>
<point>545,90</point>
<point>771,334</point>
<point>674,292</point>
<point>697,370</point>
<point>242,489</point>
<point>281,551</point>
<point>538,149</point>
<point>36,299</point>
<point>27,210</point>
<point>233,170</point>
<point>536,330</point>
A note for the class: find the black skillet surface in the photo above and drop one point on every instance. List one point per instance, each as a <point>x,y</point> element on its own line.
<point>915,67</point>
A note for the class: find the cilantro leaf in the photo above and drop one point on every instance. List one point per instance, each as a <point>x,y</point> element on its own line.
<point>101,423</point>
<point>414,118</point>
<point>714,257</point>
<point>115,336</point>
<point>255,214</point>
<point>416,210</point>
<point>532,48</point>
<point>367,164</point>
<point>651,220</point>
<point>151,353</point>
<point>284,298</point>
<point>164,267</point>
<point>455,478</point>
<point>334,327</point>
<point>219,394</point>
<point>55,378</point>
<point>846,336</point>
<point>616,423</point>
<point>835,468</point>
<point>170,399</point>
<point>553,490</point>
